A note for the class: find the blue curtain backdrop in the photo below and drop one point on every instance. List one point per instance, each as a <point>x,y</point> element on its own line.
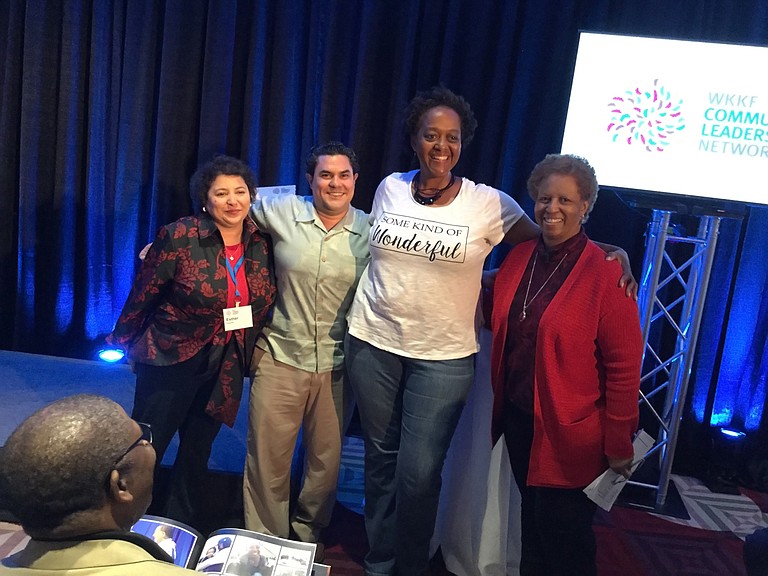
<point>107,106</point>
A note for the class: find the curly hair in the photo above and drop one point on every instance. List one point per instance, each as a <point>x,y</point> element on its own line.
<point>566,165</point>
<point>440,96</point>
<point>55,464</point>
<point>331,149</point>
<point>203,178</point>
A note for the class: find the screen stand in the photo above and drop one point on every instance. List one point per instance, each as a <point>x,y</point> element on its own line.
<point>673,286</point>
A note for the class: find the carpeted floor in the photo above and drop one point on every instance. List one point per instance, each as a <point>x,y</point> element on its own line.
<point>636,543</point>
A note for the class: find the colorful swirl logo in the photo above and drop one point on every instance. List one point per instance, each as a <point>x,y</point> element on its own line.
<point>646,118</point>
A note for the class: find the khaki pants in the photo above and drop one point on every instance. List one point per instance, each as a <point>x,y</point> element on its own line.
<point>282,400</point>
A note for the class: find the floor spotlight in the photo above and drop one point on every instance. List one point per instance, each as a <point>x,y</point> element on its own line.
<point>111,355</point>
<point>725,460</point>
<point>730,433</point>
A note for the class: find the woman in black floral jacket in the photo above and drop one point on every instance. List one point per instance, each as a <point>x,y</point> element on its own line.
<point>200,272</point>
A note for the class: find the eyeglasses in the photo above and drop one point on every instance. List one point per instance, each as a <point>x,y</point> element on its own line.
<point>146,436</point>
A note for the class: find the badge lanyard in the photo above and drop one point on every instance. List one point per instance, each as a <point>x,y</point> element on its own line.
<point>239,316</point>
<point>233,274</point>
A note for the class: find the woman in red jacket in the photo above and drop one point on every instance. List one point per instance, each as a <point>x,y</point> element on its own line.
<point>570,413</point>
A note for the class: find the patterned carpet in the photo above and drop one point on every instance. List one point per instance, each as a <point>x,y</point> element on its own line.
<point>636,543</point>
<point>739,514</point>
<point>12,539</point>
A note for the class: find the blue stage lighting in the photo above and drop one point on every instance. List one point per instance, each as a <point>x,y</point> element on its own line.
<point>731,434</point>
<point>111,355</point>
<point>726,460</point>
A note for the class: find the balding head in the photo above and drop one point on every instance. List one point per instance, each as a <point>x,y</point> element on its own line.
<point>60,465</point>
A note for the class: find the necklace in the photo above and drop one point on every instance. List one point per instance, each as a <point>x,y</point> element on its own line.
<point>527,302</point>
<point>429,200</point>
<point>233,252</point>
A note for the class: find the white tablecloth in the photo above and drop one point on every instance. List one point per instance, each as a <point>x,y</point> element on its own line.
<point>478,521</point>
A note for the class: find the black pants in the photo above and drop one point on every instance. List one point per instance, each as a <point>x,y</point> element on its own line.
<point>556,523</point>
<point>173,398</point>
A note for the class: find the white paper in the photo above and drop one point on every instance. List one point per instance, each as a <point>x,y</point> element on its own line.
<point>604,489</point>
<point>238,317</point>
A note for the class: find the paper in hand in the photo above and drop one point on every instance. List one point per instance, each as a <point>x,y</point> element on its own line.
<point>604,489</point>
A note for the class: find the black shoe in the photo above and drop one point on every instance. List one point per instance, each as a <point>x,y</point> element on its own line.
<point>319,552</point>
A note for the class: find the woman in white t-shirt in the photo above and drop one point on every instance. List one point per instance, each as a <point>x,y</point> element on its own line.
<point>410,355</point>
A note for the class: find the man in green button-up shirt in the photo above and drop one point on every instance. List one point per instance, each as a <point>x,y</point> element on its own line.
<point>320,250</point>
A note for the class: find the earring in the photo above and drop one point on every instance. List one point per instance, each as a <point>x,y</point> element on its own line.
<point>204,210</point>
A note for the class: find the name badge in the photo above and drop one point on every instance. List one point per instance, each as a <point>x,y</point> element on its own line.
<point>238,317</point>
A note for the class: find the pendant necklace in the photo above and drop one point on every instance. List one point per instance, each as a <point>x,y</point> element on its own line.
<point>429,200</point>
<point>527,302</point>
<point>233,252</point>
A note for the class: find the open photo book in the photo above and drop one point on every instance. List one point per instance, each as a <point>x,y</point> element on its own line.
<point>231,550</point>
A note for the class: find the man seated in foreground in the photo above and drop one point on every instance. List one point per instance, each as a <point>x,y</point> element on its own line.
<point>78,474</point>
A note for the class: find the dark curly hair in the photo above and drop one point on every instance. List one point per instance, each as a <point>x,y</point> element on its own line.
<point>55,464</point>
<point>566,165</point>
<point>331,149</point>
<point>205,175</point>
<point>440,96</point>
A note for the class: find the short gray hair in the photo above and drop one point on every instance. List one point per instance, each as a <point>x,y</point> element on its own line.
<point>566,165</point>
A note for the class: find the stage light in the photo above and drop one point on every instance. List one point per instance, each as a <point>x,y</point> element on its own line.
<point>725,460</point>
<point>111,355</point>
<point>732,434</point>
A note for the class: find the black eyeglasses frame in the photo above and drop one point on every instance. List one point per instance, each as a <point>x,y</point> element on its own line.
<point>146,436</point>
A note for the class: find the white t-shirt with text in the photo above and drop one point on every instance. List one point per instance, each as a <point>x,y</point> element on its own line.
<point>418,298</point>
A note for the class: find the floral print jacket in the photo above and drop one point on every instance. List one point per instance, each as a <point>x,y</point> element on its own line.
<point>174,309</point>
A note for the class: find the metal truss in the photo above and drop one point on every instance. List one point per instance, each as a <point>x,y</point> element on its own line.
<point>673,287</point>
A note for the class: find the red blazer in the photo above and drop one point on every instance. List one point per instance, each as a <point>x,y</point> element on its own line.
<point>587,369</point>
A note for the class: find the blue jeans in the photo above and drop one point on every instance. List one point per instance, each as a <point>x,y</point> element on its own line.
<point>409,410</point>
